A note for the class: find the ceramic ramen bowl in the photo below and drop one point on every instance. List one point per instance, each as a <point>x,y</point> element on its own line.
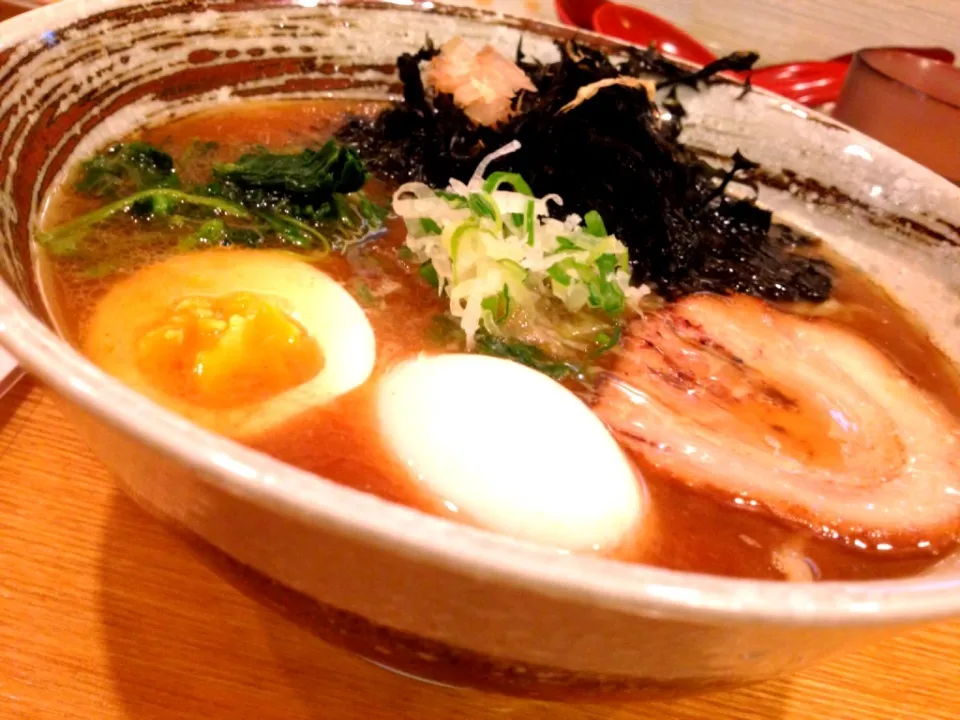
<point>413,592</point>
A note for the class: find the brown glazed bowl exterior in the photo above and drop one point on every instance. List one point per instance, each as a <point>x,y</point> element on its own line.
<point>409,591</point>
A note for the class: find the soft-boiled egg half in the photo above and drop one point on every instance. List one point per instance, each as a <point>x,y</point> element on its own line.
<point>512,450</point>
<point>238,341</point>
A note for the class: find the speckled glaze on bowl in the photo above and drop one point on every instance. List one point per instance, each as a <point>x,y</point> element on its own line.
<point>413,592</point>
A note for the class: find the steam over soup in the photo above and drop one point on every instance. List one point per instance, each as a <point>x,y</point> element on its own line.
<point>483,328</point>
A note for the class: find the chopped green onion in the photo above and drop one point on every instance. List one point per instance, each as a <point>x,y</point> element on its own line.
<point>430,227</point>
<point>529,222</point>
<point>515,267</point>
<point>455,246</point>
<point>458,202</point>
<point>557,275</point>
<point>564,243</point>
<point>429,273</point>
<point>607,341</point>
<point>604,294</point>
<point>513,179</point>
<point>606,264</point>
<point>483,206</point>
<point>558,272</point>
<point>594,224</point>
<point>498,305</point>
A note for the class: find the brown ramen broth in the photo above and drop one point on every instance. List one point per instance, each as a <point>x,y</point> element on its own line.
<point>693,529</point>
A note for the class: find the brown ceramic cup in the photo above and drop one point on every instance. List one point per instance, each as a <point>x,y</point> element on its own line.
<point>908,102</point>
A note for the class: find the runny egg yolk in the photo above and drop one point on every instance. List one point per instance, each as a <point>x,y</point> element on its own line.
<point>238,341</point>
<point>228,350</point>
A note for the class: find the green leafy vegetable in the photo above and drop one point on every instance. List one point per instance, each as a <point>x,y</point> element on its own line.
<point>305,199</point>
<point>156,205</point>
<point>60,246</point>
<point>99,270</point>
<point>446,332</point>
<point>65,239</point>
<point>529,223</point>
<point>126,167</point>
<point>370,211</point>
<point>528,355</point>
<point>344,213</point>
<point>293,231</point>
<point>217,232</point>
<point>303,185</point>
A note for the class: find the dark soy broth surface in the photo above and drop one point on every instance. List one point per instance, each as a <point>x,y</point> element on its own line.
<point>692,530</point>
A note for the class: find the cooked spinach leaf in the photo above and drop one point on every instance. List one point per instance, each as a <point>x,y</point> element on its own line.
<point>124,168</point>
<point>529,355</point>
<point>217,232</point>
<point>308,199</point>
<point>446,332</point>
<point>309,185</point>
<point>66,239</point>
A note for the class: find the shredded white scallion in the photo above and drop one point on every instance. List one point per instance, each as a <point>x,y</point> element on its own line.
<point>497,253</point>
<point>477,180</point>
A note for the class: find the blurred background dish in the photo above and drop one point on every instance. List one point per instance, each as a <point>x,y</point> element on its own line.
<point>9,8</point>
<point>638,26</point>
<point>908,102</point>
<point>787,32</point>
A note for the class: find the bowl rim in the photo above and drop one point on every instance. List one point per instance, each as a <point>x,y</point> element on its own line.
<point>275,485</point>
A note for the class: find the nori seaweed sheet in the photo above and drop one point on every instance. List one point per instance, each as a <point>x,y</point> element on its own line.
<point>615,154</point>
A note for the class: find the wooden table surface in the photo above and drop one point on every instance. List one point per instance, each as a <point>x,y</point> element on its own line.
<point>104,615</point>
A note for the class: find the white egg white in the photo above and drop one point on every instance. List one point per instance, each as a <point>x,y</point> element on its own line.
<point>318,303</point>
<point>512,449</point>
